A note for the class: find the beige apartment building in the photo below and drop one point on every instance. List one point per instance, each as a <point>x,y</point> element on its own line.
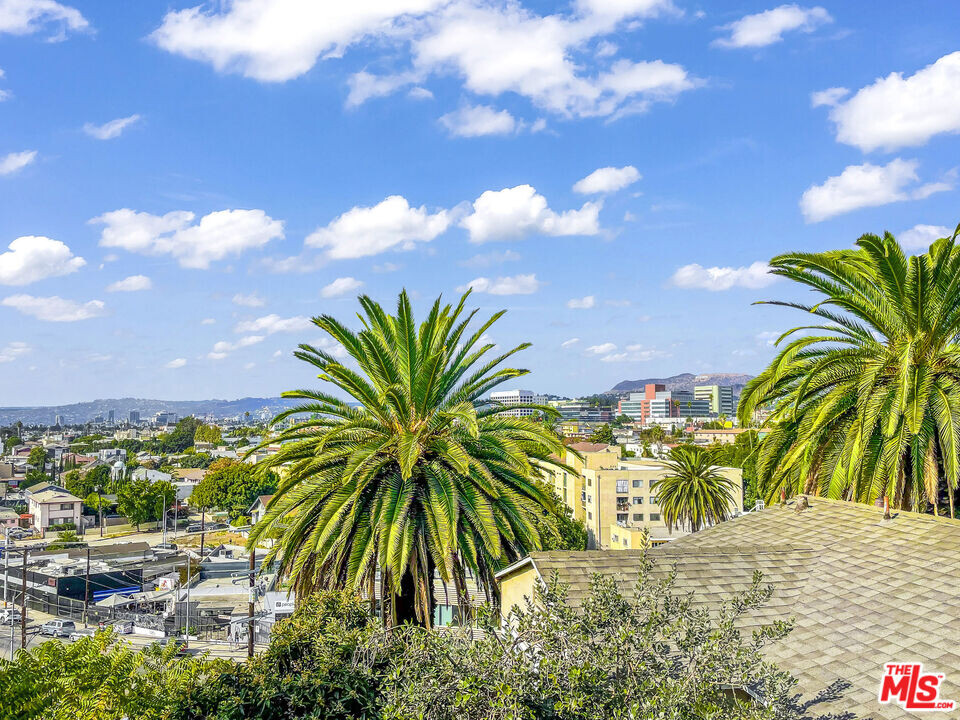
<point>614,498</point>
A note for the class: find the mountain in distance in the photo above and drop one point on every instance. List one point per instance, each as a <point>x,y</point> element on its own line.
<point>683,381</point>
<point>77,413</point>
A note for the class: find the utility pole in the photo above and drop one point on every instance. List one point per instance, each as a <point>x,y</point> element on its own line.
<point>164,535</point>
<point>86,591</point>
<point>203,515</point>
<point>23,603</point>
<point>250,609</point>
<point>186,635</point>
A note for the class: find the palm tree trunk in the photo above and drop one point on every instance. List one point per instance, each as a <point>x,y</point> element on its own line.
<point>404,604</point>
<point>950,496</point>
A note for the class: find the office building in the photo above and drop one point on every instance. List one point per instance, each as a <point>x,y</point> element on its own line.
<point>134,417</point>
<point>517,397</point>
<point>721,397</point>
<point>656,403</point>
<point>111,416</point>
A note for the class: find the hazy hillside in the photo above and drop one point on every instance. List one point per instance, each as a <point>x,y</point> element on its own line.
<point>683,381</point>
<point>86,411</point>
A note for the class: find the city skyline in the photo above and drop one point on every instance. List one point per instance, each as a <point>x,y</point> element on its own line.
<point>180,194</point>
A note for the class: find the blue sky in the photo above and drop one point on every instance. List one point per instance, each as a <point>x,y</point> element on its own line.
<point>181,186</point>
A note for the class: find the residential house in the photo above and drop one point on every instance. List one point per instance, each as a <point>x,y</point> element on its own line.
<point>53,507</point>
<point>9,518</point>
<point>862,590</point>
<point>258,508</point>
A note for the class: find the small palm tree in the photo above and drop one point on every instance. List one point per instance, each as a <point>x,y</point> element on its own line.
<point>418,474</point>
<point>693,494</point>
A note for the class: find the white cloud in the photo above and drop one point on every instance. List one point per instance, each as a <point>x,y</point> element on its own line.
<point>250,300</point>
<point>635,353</point>
<point>271,324</point>
<point>134,283</point>
<point>208,321</point>
<point>491,258</point>
<point>601,349</point>
<point>493,48</point>
<point>920,237</point>
<point>32,258</point>
<point>224,347</point>
<point>695,276</point>
<point>277,40</point>
<point>387,267</point>
<point>518,211</point>
<point>111,129</point>
<point>829,97</point>
<point>860,186</point>
<point>768,337</point>
<point>767,27</point>
<point>477,120</point>
<point>897,112</point>
<point>55,309</point>
<point>13,350</point>
<point>9,164</point>
<point>509,285</point>
<point>569,343</point>
<point>176,363</point>
<point>24,17</point>
<point>607,179</point>
<point>390,225</point>
<point>216,235</point>
<point>584,303</point>
<point>340,286</point>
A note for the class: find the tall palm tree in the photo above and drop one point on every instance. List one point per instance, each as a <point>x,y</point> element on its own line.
<point>693,494</point>
<point>418,473</point>
<point>866,401</point>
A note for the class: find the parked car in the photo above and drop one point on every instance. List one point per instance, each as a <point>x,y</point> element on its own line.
<point>194,528</point>
<point>218,526</point>
<point>82,633</point>
<point>58,628</point>
<point>165,546</point>
<point>10,616</point>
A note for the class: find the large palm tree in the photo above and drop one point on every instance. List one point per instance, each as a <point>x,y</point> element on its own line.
<point>866,400</point>
<point>417,473</point>
<point>693,494</point>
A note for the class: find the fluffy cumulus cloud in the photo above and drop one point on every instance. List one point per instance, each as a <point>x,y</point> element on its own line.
<point>567,344</point>
<point>270,324</point>
<point>830,97</point>
<point>920,237</point>
<point>249,300</point>
<point>695,276</point>
<point>493,48</point>
<point>634,353</point>
<point>134,283</point>
<point>13,162</point>
<point>193,244</point>
<point>340,286</point>
<point>54,308</point>
<point>110,130</point>
<point>507,285</point>
<point>515,212</point>
<point>176,363</point>
<point>24,17</point>
<point>584,303</point>
<point>13,350</point>
<point>32,258</point>
<point>767,27</point>
<point>867,185</point>
<point>477,120</point>
<point>224,347</point>
<point>389,225</point>
<point>898,111</point>
<point>607,179</point>
<point>601,349</point>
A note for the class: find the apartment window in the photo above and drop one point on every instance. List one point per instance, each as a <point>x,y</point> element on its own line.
<point>589,498</point>
<point>622,518</point>
<point>638,501</point>
<point>638,517</point>
<point>653,499</point>
<point>623,504</point>
<point>654,517</point>
<point>583,497</point>
<point>616,538</point>
<point>589,482</point>
<point>622,486</point>
<point>638,483</point>
<point>66,506</point>
<point>589,516</point>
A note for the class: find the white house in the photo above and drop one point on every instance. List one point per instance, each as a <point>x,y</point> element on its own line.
<point>54,507</point>
<point>259,508</point>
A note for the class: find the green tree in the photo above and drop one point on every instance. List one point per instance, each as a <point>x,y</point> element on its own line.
<point>421,474</point>
<point>603,434</point>
<point>232,486</point>
<point>10,443</point>
<point>866,401</point>
<point>79,484</point>
<point>693,493</point>
<point>562,531</point>
<point>142,501</point>
<point>38,458</point>
<point>181,437</point>
<point>207,433</point>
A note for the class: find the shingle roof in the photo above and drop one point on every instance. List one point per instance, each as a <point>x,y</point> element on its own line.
<point>589,446</point>
<point>49,496</point>
<point>862,590</point>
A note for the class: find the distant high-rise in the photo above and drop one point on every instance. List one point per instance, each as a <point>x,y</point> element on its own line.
<point>111,416</point>
<point>721,398</point>
<point>518,397</point>
<point>58,421</point>
<point>134,417</point>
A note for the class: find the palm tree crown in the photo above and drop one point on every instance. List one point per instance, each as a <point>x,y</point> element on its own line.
<point>418,473</point>
<point>693,494</point>
<point>866,401</point>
